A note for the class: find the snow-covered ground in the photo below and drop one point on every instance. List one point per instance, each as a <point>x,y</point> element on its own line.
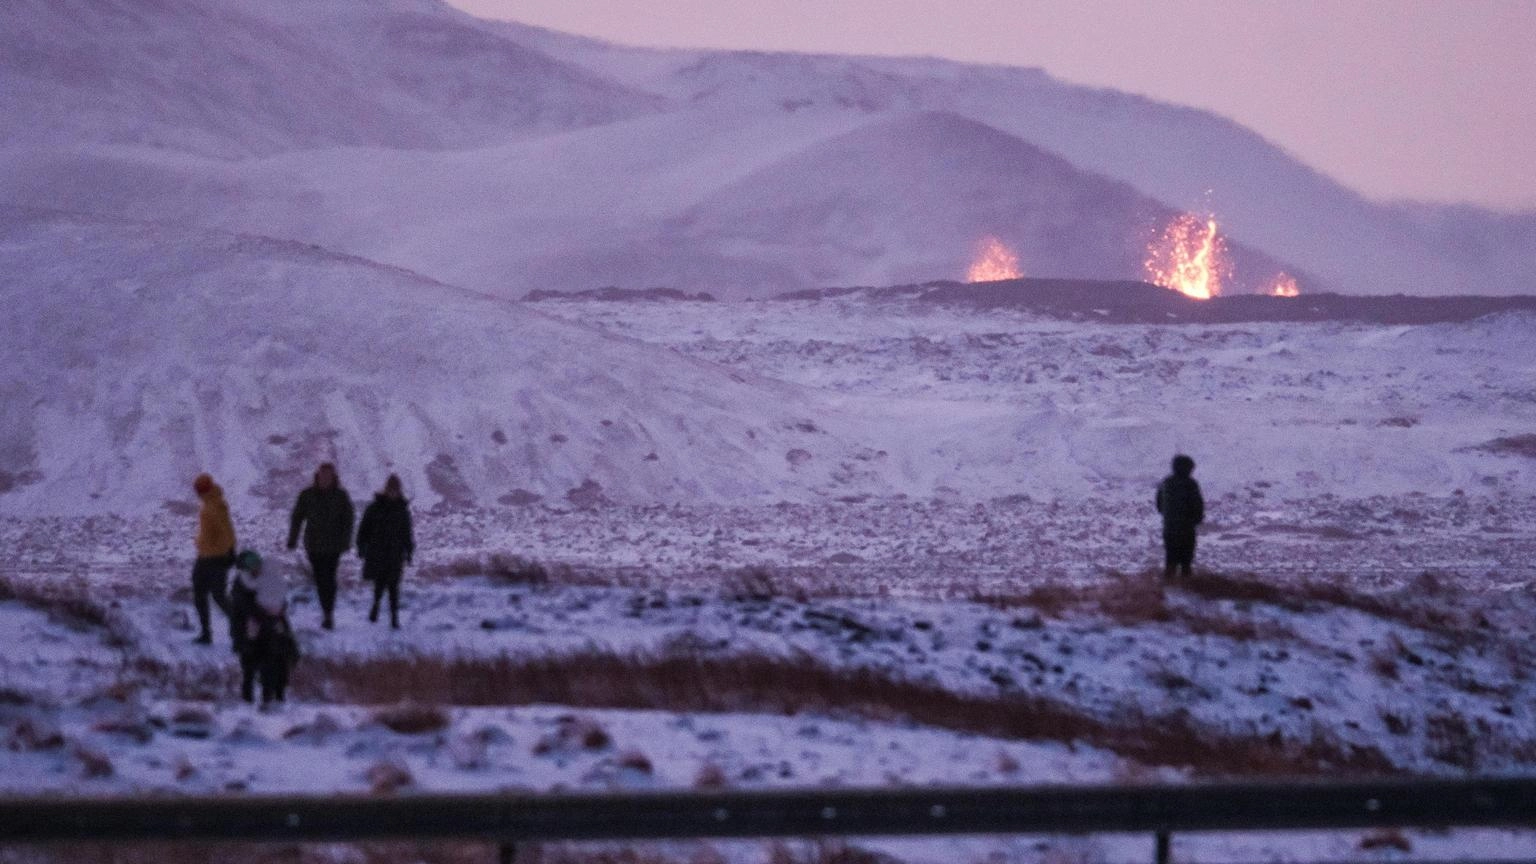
<point>857,540</point>
<point>1367,608</point>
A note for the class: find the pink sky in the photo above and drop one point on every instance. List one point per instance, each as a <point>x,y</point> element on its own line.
<point>1395,98</point>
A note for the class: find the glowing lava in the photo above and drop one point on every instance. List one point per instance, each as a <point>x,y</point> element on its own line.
<point>994,261</point>
<point>1189,257</point>
<point>1284,285</point>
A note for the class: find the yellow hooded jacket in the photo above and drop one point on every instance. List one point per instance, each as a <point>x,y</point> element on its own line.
<point>215,533</point>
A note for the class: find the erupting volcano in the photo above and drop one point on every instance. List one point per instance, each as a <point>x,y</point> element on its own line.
<point>1189,257</point>
<point>994,261</point>
<point>1284,285</point>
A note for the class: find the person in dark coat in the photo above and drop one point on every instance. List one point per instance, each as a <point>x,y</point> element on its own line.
<point>386,545</point>
<point>324,513</point>
<point>1183,508</point>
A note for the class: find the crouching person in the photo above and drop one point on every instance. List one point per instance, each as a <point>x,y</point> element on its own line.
<point>268,650</point>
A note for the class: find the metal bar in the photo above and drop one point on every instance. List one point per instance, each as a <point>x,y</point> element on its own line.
<point>1163,848</point>
<point>1509,802</point>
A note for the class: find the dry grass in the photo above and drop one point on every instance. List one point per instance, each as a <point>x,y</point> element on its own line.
<point>502,567</point>
<point>65,601</point>
<point>388,777</point>
<point>574,733</point>
<point>93,763</point>
<point>635,760</point>
<point>1385,840</point>
<point>1135,599</point>
<point>411,718</point>
<point>1413,606</point>
<point>710,776</point>
<point>761,683</point>
<point>1451,741</point>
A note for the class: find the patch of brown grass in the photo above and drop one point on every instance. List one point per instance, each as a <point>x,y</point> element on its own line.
<point>503,567</point>
<point>412,718</point>
<point>388,777</point>
<point>762,683</point>
<point>574,733</point>
<point>710,776</point>
<point>1236,628</point>
<point>1405,607</point>
<point>1134,599</point>
<point>93,763</point>
<point>66,601</point>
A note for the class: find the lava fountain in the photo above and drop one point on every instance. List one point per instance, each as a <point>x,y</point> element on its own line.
<point>1189,257</point>
<point>1283,285</point>
<point>994,261</point>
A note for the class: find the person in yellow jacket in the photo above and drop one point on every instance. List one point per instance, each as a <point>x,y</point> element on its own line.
<point>215,554</point>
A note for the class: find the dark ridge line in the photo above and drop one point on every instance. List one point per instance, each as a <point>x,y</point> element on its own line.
<point>1132,302</point>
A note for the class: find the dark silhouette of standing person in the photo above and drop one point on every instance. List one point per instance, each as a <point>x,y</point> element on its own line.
<point>242,610</point>
<point>386,545</point>
<point>1183,508</point>
<point>215,554</point>
<point>325,515</point>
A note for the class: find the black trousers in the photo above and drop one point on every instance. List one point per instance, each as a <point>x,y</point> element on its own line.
<point>324,567</point>
<point>393,587</point>
<point>1179,544</point>
<point>274,680</point>
<point>210,579</point>
<point>272,672</point>
<point>248,666</point>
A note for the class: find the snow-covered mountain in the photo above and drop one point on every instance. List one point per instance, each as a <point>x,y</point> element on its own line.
<point>138,355</point>
<point>232,78</point>
<point>904,199</point>
<point>346,123</point>
<point>1184,157</point>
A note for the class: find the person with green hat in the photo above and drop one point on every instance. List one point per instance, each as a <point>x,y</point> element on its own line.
<point>268,649</point>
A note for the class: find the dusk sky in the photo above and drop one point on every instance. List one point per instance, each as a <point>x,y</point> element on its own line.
<point>1396,98</point>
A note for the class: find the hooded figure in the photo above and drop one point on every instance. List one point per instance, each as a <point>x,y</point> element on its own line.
<point>215,543</point>
<point>1183,508</point>
<point>267,650</point>
<point>386,545</point>
<point>325,516</point>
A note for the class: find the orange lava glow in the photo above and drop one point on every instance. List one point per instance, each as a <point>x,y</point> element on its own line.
<point>1284,285</point>
<point>1189,257</point>
<point>994,261</point>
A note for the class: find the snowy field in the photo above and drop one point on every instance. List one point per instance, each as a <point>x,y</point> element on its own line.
<point>859,540</point>
<point>1365,606</point>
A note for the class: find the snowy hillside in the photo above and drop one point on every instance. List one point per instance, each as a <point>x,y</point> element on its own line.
<point>904,199</point>
<point>1183,157</point>
<point>148,353</point>
<point>137,356</point>
<point>344,124</point>
<point>993,401</point>
<point>233,78</point>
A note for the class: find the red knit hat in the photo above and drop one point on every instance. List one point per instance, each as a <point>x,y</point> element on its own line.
<point>202,484</point>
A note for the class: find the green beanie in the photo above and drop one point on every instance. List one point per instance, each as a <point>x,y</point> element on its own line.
<point>249,561</point>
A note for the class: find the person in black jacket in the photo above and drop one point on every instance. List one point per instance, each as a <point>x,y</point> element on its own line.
<point>242,609</point>
<point>1180,502</point>
<point>386,545</point>
<point>324,512</point>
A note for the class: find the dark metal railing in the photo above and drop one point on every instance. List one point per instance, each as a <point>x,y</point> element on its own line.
<point>509,820</point>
